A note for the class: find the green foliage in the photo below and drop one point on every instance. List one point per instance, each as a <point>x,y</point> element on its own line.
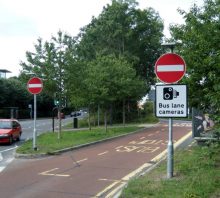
<point>13,93</point>
<point>200,49</point>
<point>50,61</point>
<point>111,59</point>
<point>110,79</point>
<point>123,29</point>
<point>145,114</point>
<point>148,107</point>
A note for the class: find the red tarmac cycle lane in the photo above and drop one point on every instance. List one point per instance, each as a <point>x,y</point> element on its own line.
<point>87,171</point>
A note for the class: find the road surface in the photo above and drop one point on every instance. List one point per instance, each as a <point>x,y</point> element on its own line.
<point>94,171</point>
<point>42,125</point>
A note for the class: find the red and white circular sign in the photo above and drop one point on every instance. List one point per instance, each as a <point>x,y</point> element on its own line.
<point>35,85</point>
<point>170,68</point>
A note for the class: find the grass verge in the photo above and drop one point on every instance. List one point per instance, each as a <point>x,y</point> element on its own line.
<point>197,175</point>
<point>48,142</point>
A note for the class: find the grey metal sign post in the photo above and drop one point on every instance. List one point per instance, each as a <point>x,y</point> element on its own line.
<point>35,117</point>
<point>170,150</point>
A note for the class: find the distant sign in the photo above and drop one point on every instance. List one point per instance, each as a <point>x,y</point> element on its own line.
<point>170,68</point>
<point>171,101</point>
<point>35,85</point>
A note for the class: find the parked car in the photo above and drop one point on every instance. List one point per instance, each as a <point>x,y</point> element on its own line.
<point>75,114</point>
<point>10,130</point>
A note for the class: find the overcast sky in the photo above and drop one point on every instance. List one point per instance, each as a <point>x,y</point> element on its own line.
<point>22,22</point>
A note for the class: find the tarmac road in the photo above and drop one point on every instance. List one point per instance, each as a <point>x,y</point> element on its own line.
<point>93,171</point>
<point>42,125</point>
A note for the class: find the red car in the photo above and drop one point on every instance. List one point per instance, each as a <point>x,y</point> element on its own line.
<point>10,130</point>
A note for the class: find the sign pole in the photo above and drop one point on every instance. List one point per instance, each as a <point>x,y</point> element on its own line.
<point>170,68</point>
<point>170,151</point>
<point>35,86</point>
<point>35,116</point>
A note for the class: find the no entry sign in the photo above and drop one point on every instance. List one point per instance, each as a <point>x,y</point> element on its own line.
<point>35,85</point>
<point>170,68</point>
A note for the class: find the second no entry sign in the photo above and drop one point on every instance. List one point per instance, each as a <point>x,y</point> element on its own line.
<point>35,85</point>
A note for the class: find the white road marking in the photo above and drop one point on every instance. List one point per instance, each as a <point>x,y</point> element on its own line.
<point>1,158</point>
<point>137,171</point>
<point>2,168</point>
<point>9,160</point>
<point>103,153</point>
<point>112,180</point>
<point>9,149</point>
<point>80,161</point>
<point>47,173</point>
<point>6,163</point>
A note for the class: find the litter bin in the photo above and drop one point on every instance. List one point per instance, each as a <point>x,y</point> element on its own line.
<point>75,123</point>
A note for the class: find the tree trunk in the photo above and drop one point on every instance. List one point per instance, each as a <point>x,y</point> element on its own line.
<point>59,117</point>
<point>111,116</point>
<point>105,120</point>
<point>123,107</point>
<point>98,115</point>
<point>89,120</point>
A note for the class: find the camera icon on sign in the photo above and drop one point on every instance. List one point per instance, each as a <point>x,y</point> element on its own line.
<point>169,93</point>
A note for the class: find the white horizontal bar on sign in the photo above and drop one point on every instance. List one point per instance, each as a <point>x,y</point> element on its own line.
<point>170,68</point>
<point>34,85</point>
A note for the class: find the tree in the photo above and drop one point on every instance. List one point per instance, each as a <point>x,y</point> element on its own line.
<point>123,30</point>
<point>51,61</point>
<point>110,79</point>
<point>200,49</point>
<point>13,93</point>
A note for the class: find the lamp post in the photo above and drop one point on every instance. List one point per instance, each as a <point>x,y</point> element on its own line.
<point>170,45</point>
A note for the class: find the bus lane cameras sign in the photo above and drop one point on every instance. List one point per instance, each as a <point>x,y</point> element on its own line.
<point>171,101</point>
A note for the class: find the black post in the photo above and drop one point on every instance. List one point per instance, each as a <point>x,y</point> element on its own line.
<point>75,122</point>
<point>53,123</point>
<point>53,117</point>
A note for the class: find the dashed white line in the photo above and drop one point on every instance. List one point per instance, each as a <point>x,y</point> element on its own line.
<point>80,161</point>
<point>103,153</point>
